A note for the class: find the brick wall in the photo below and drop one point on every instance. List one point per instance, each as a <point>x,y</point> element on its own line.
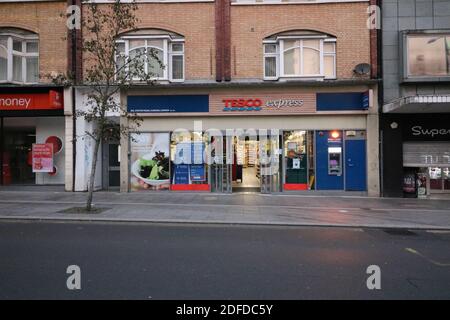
<point>44,19</point>
<point>251,24</point>
<point>195,21</point>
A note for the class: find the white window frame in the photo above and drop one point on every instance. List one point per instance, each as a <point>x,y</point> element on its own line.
<point>271,55</point>
<point>176,54</point>
<point>167,54</point>
<point>23,39</point>
<point>279,41</point>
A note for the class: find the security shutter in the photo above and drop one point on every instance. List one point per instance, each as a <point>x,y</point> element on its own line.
<point>426,154</point>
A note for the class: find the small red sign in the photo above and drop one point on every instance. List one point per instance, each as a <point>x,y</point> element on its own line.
<point>42,154</point>
<point>52,100</point>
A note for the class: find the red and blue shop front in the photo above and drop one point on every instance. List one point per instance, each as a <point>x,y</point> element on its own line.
<point>233,141</point>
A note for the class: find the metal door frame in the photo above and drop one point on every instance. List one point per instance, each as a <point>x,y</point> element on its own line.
<point>105,163</point>
<point>218,171</point>
<point>268,184</point>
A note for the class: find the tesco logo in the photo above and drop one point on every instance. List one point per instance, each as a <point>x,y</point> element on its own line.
<point>242,103</point>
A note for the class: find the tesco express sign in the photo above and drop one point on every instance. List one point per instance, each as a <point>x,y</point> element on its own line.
<point>257,104</point>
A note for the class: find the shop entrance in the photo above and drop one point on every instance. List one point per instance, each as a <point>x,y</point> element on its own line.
<point>111,165</point>
<point>246,168</point>
<point>17,146</point>
<point>17,137</point>
<point>245,164</point>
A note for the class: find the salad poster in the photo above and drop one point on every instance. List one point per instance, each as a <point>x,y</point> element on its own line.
<point>150,161</point>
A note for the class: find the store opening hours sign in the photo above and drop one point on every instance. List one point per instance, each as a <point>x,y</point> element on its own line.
<point>42,155</point>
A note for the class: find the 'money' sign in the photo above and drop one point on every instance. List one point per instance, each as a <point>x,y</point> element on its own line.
<point>31,101</point>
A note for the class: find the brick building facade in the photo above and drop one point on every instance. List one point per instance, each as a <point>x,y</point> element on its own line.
<point>307,69</point>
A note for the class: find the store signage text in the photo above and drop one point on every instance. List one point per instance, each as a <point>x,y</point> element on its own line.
<point>257,104</point>
<point>419,131</point>
<point>168,104</point>
<point>242,104</point>
<point>11,102</point>
<point>50,100</point>
<point>279,103</point>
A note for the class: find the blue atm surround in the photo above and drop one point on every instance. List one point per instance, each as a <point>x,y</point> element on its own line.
<point>324,181</point>
<point>353,161</point>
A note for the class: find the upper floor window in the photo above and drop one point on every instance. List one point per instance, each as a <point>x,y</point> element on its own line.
<point>307,55</point>
<point>304,55</point>
<point>159,55</point>
<point>427,56</point>
<point>19,56</point>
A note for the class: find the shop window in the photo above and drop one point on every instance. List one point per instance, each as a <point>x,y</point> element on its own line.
<point>299,160</point>
<point>296,161</point>
<point>301,56</point>
<point>189,169</point>
<point>160,56</point>
<point>150,162</point>
<point>19,56</point>
<point>426,55</point>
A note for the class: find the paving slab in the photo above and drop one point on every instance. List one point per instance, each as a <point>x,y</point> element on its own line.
<point>276,209</point>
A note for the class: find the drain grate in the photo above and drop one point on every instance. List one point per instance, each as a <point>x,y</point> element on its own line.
<point>399,232</point>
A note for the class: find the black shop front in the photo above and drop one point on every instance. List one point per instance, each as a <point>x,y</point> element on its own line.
<point>416,155</point>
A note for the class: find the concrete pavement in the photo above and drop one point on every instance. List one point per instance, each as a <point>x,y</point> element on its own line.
<point>307,210</point>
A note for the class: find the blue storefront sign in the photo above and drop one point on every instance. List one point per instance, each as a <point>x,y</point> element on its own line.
<point>174,103</point>
<point>343,101</point>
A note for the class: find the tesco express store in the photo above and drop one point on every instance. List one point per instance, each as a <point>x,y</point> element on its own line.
<point>265,140</point>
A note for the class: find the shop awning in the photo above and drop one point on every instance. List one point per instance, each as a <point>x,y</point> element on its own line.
<point>419,104</point>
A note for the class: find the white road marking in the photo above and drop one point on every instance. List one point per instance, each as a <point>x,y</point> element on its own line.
<point>436,263</point>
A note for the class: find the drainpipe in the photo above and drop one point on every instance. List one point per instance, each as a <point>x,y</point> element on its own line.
<point>219,39</point>
<point>75,69</point>
<point>1,150</point>
<point>223,39</point>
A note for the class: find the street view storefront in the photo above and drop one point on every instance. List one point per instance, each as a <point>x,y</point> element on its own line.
<point>252,140</point>
<point>416,154</point>
<point>32,136</point>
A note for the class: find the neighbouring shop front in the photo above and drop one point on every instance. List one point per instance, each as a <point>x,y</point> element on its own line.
<point>32,136</point>
<point>268,141</point>
<point>418,146</point>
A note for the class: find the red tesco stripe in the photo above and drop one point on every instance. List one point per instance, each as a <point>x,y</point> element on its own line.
<point>295,186</point>
<point>190,187</point>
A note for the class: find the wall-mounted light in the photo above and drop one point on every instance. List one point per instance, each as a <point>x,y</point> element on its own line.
<point>394,125</point>
<point>335,134</point>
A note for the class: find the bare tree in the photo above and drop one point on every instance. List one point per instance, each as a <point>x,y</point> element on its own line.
<point>108,73</point>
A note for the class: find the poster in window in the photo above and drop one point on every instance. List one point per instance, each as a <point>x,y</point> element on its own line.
<point>183,153</point>
<point>42,157</point>
<point>198,173</point>
<point>150,163</point>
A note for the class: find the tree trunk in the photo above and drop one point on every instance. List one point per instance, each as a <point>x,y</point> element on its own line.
<point>92,175</point>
